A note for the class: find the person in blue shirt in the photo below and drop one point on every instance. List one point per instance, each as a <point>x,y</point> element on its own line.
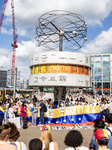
<point>99,124</point>
<point>34,111</point>
<point>102,139</point>
<point>41,112</point>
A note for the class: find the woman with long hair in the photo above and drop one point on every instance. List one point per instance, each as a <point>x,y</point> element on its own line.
<point>11,111</point>
<point>47,140</point>
<point>23,111</point>
<point>14,135</point>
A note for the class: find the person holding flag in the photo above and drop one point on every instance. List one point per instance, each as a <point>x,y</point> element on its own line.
<point>1,113</point>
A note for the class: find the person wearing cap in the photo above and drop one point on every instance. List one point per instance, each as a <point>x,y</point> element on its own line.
<point>102,139</point>
<point>99,124</point>
<point>47,139</point>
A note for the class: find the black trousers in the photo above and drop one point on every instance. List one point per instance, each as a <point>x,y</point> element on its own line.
<point>1,119</point>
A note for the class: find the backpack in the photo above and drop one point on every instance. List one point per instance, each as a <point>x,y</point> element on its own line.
<point>25,123</point>
<point>45,108</point>
<point>109,130</point>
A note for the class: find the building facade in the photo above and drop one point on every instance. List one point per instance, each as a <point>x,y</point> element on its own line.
<point>101,73</point>
<point>17,78</point>
<point>3,78</point>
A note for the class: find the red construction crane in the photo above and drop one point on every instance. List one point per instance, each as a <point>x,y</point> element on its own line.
<point>14,45</point>
<point>2,14</point>
<point>15,37</point>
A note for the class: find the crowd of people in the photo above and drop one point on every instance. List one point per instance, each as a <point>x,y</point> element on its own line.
<point>73,140</point>
<point>20,106</point>
<point>9,134</point>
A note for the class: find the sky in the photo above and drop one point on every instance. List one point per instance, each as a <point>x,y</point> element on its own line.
<point>96,13</point>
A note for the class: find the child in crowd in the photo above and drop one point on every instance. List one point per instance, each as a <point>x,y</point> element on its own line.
<point>35,144</point>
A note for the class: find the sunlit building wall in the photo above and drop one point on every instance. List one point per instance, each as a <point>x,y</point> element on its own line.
<point>101,73</point>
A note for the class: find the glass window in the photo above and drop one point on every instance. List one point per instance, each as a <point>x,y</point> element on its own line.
<point>98,71</point>
<point>106,71</point>
<point>92,71</point>
<point>97,65</point>
<point>105,58</point>
<point>92,65</point>
<point>106,84</point>
<point>98,78</point>
<point>92,78</point>
<point>98,85</point>
<point>97,58</point>
<point>106,64</point>
<point>106,78</point>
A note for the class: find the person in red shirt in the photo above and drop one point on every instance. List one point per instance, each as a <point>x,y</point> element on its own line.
<point>23,111</point>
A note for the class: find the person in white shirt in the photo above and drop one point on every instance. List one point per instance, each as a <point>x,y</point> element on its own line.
<point>6,111</point>
<point>11,111</point>
<point>74,141</point>
<point>105,109</point>
<point>109,121</point>
<point>30,105</point>
<point>95,101</point>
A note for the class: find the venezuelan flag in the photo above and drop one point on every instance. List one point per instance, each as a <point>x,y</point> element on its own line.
<point>1,111</point>
<point>70,115</point>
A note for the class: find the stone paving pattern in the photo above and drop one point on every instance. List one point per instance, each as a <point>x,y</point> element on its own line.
<point>58,135</point>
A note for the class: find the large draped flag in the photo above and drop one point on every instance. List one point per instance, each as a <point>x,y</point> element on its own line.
<point>84,114</point>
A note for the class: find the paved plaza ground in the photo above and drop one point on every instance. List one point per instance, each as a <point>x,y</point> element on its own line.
<point>58,135</point>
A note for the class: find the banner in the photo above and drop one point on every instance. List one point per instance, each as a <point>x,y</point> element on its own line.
<point>16,121</point>
<point>69,115</point>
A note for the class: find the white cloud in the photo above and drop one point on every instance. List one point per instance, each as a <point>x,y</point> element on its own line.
<point>23,53</point>
<point>4,51</point>
<point>5,62</point>
<point>102,44</point>
<point>28,12</point>
<point>26,49</point>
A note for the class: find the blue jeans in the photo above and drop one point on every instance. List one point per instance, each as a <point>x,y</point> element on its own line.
<point>34,119</point>
<point>41,117</point>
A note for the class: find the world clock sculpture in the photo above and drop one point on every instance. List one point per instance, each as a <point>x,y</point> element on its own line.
<point>60,33</point>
